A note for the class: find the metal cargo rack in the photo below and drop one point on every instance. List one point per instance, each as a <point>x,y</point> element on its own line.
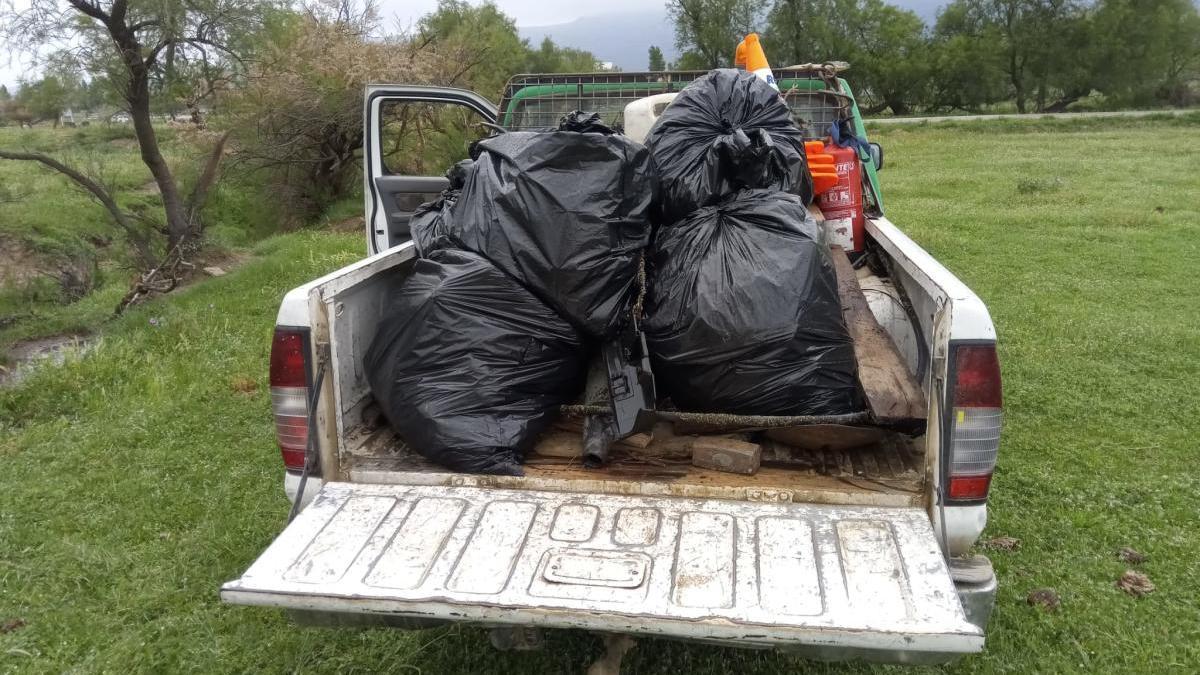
<point>814,93</point>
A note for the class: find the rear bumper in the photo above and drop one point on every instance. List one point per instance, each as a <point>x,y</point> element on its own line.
<point>975,581</point>
<point>291,485</point>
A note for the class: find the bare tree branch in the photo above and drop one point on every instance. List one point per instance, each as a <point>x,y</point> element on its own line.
<point>92,187</point>
<point>208,178</point>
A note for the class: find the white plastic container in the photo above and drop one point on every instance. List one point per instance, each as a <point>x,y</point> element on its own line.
<point>640,115</point>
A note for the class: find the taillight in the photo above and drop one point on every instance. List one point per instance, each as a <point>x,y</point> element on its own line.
<point>975,420</point>
<point>289,394</point>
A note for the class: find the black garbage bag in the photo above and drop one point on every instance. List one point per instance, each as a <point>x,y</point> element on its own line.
<point>429,224</point>
<point>565,213</point>
<point>469,367</point>
<point>726,131</point>
<point>743,315</point>
<point>584,123</point>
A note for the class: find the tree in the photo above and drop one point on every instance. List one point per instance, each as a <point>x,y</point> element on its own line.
<point>1145,50</point>
<point>482,38</point>
<point>885,46</point>
<point>657,62</point>
<point>136,46</point>
<point>1044,45</point>
<point>550,58</point>
<point>708,31</point>
<point>4,95</point>
<point>300,112</point>
<point>45,99</point>
<point>966,60</point>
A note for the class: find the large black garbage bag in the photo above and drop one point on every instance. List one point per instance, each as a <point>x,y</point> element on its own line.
<point>565,213</point>
<point>743,315</point>
<point>724,132</point>
<point>429,224</point>
<point>469,367</point>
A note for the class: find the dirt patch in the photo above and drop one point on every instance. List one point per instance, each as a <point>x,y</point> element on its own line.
<point>1131,556</point>
<point>1002,543</point>
<point>11,625</point>
<point>1046,598</point>
<point>177,273</point>
<point>18,263</point>
<point>1135,583</point>
<point>25,356</point>
<point>243,385</point>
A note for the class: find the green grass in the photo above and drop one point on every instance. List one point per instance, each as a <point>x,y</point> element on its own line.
<point>136,479</point>
<point>46,218</point>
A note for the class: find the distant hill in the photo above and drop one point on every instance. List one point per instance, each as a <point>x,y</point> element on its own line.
<point>621,37</point>
<point>625,37</point>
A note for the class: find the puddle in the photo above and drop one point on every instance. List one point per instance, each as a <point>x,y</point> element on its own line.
<point>28,355</point>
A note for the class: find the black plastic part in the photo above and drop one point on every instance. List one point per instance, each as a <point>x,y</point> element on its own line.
<point>726,131</point>
<point>630,381</point>
<point>599,434</point>
<point>469,367</point>
<point>743,314</point>
<point>566,214</point>
<point>429,226</point>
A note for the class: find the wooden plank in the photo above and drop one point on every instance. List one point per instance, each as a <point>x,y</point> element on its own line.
<point>721,453</point>
<point>815,212</point>
<point>892,393</point>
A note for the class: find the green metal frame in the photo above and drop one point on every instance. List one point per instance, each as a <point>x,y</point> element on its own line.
<point>860,129</point>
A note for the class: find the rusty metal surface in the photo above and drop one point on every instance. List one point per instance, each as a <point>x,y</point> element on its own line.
<point>760,573</point>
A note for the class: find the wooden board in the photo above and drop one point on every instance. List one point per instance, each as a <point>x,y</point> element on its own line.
<point>893,395</point>
<point>826,478</point>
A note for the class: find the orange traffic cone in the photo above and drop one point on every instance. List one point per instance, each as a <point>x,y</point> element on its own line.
<point>750,55</point>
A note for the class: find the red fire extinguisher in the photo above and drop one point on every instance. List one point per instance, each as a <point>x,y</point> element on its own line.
<point>842,205</point>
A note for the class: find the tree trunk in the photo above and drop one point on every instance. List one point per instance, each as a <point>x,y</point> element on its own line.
<point>138,96</point>
<point>143,128</point>
<point>204,184</point>
<point>1017,78</point>
<point>874,109</point>
<point>899,106</point>
<point>1061,104</point>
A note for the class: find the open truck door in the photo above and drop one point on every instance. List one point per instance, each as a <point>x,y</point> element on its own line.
<point>397,177</point>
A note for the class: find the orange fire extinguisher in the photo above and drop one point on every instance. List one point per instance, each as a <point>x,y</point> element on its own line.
<point>842,204</point>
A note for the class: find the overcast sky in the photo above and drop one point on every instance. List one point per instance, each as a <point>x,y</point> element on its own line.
<point>406,12</point>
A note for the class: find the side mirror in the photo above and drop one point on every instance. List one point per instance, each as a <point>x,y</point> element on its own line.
<point>876,152</point>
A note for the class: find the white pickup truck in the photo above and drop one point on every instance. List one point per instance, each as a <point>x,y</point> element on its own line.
<point>841,553</point>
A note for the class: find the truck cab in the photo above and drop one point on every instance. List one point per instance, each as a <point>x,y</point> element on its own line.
<point>854,541</point>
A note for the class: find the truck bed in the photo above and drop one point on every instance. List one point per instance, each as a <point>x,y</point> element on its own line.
<point>890,472</point>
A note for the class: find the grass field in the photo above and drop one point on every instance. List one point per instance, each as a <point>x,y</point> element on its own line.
<point>138,478</point>
<point>45,220</point>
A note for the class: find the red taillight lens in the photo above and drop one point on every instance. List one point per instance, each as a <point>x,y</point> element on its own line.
<point>287,359</point>
<point>976,418</point>
<point>289,395</point>
<point>977,377</point>
<point>970,487</point>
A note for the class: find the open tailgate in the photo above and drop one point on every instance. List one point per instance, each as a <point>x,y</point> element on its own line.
<point>862,579</point>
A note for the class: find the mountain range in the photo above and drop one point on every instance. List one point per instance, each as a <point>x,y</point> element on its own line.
<point>624,38</point>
